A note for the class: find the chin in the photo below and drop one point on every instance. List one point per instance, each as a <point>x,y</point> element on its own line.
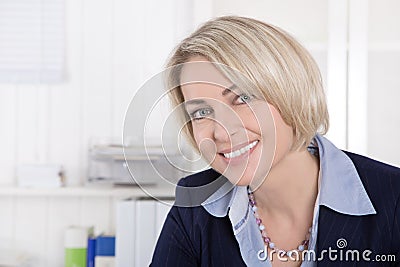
<point>234,176</point>
<point>247,180</point>
<point>243,181</point>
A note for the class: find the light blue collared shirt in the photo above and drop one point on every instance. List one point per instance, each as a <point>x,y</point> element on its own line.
<point>339,188</point>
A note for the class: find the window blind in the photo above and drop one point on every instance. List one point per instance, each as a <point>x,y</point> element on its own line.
<point>32,36</point>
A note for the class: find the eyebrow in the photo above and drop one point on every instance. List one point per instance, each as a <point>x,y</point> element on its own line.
<point>228,90</point>
<point>194,102</point>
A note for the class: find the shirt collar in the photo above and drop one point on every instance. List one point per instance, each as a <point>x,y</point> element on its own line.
<point>340,188</point>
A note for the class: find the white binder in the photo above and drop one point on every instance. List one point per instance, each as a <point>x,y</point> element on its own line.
<point>138,225</point>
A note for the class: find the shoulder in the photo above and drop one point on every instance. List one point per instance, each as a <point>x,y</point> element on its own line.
<point>381,180</point>
<point>365,163</point>
<point>382,183</point>
<point>187,215</point>
<point>193,190</point>
<point>378,232</point>
<point>200,178</point>
<point>371,170</point>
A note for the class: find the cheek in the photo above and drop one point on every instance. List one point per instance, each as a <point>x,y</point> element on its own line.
<point>199,133</point>
<point>203,137</point>
<point>284,137</point>
<point>262,120</point>
<point>284,131</point>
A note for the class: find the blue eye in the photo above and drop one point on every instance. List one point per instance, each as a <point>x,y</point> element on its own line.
<point>242,98</point>
<point>200,113</point>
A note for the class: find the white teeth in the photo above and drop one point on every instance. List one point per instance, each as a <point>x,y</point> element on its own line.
<point>241,151</point>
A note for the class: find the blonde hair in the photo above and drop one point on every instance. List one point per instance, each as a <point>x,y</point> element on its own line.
<point>273,61</point>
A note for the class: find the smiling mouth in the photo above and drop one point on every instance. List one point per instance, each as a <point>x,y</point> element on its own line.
<point>240,151</point>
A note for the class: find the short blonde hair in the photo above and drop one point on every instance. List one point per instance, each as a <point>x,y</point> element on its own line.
<point>278,65</point>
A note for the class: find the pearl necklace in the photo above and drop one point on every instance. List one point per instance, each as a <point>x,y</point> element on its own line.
<point>266,239</point>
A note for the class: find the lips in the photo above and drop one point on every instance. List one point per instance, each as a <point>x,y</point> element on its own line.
<point>238,150</point>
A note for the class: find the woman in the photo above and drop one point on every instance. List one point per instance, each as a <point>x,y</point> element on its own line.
<point>255,110</point>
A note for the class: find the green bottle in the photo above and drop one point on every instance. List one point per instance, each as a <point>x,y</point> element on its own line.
<point>75,244</point>
<point>75,257</point>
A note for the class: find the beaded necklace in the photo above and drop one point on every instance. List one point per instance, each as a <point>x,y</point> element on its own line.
<point>266,239</point>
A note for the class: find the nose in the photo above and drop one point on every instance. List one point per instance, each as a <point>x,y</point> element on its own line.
<point>220,132</point>
<point>225,126</point>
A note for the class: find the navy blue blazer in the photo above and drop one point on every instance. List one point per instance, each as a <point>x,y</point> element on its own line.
<point>193,237</point>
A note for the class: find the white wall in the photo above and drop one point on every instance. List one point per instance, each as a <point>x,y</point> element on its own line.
<point>112,47</point>
<point>306,19</point>
<point>383,80</point>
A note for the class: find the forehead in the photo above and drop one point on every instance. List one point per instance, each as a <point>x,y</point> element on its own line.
<point>201,77</point>
<point>202,90</point>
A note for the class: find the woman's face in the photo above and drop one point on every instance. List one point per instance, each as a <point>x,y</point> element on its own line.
<point>239,135</point>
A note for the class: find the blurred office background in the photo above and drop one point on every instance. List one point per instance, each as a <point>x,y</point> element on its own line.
<point>69,68</point>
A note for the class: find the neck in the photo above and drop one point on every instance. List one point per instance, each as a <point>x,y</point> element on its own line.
<point>289,191</point>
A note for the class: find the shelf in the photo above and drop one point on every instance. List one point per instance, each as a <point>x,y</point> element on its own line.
<point>131,191</point>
